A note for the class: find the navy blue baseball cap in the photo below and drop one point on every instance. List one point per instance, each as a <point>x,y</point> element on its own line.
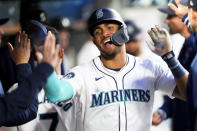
<point>103,15</point>
<point>169,11</point>
<point>133,30</point>
<point>36,31</point>
<point>193,4</point>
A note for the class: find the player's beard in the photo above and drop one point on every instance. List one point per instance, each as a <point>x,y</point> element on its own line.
<point>109,56</point>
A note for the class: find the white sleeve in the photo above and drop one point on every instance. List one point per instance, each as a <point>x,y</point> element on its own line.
<point>74,78</point>
<point>165,81</point>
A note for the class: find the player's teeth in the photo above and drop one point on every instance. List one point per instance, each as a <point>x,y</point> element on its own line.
<point>106,41</point>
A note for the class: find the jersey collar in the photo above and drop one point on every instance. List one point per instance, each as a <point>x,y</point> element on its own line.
<point>128,66</point>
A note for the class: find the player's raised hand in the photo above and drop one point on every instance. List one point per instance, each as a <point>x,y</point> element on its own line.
<point>180,10</point>
<point>20,53</point>
<point>161,43</point>
<point>51,50</point>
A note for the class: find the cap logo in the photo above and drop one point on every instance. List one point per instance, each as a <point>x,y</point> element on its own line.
<point>99,13</point>
<point>69,75</point>
<point>130,29</point>
<point>191,3</point>
<point>42,17</point>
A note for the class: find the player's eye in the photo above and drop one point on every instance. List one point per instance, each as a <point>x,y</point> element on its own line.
<point>97,32</point>
<point>110,28</point>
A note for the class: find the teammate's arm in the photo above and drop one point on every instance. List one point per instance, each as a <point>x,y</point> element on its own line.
<point>164,112</point>
<point>16,103</point>
<point>162,46</point>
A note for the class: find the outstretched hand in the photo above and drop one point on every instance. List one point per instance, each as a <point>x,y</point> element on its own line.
<point>51,50</point>
<point>180,10</point>
<point>20,53</point>
<point>161,41</point>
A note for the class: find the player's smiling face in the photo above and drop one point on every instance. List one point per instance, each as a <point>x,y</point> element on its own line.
<point>102,34</point>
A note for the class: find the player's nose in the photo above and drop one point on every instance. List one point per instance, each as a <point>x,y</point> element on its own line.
<point>106,33</point>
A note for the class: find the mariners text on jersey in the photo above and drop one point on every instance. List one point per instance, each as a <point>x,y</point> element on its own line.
<point>103,98</point>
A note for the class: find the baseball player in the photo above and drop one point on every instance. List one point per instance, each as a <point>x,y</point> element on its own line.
<point>115,91</point>
<point>189,16</point>
<point>18,106</point>
<point>176,108</point>
<point>50,116</point>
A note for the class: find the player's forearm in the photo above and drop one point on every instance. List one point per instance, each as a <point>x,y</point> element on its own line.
<point>180,74</point>
<point>167,106</point>
<point>181,90</point>
<point>29,88</point>
<point>19,100</point>
<point>58,90</point>
<point>23,71</point>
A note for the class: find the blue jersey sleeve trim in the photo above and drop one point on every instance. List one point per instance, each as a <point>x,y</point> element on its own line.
<point>58,90</point>
<point>185,18</point>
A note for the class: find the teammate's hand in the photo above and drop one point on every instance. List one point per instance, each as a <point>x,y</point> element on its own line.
<point>180,11</point>
<point>156,120</point>
<point>161,41</point>
<point>51,50</point>
<point>20,53</point>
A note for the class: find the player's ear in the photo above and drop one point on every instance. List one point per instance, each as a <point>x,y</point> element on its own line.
<point>92,38</point>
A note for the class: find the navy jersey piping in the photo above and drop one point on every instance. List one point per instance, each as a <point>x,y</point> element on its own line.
<point>106,74</point>
<point>115,83</point>
<point>123,89</point>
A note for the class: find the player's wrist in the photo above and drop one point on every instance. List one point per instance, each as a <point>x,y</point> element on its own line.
<point>21,62</point>
<point>174,65</point>
<point>162,113</point>
<point>170,59</point>
<point>168,56</point>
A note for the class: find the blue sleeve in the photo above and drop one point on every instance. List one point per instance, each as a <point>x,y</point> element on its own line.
<point>167,106</point>
<point>58,90</point>
<point>7,69</point>
<point>188,52</point>
<point>191,95</point>
<point>23,117</point>
<point>31,112</point>
<point>17,104</point>
<point>20,69</point>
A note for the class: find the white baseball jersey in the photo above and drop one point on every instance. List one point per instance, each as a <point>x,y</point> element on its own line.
<point>52,117</point>
<point>117,100</point>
